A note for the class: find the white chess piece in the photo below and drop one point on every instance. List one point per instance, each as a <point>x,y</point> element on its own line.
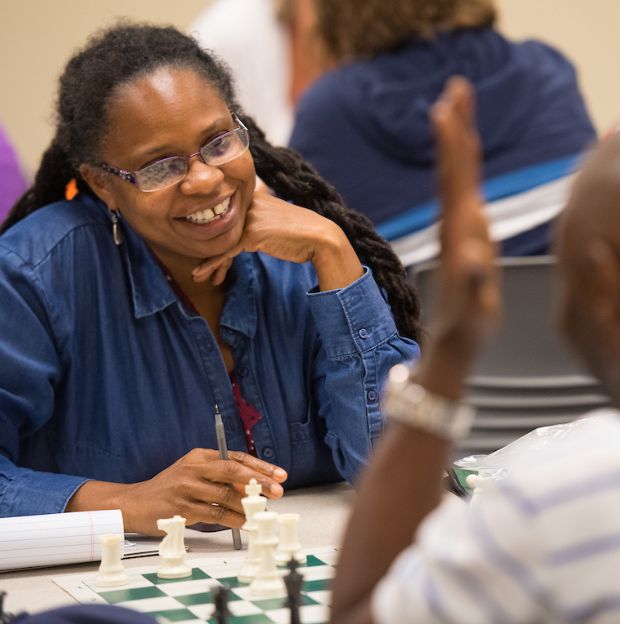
<point>289,546</point>
<point>111,571</point>
<point>172,549</point>
<point>268,581</point>
<point>253,503</point>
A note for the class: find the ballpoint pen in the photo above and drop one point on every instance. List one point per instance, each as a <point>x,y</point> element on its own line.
<point>223,449</point>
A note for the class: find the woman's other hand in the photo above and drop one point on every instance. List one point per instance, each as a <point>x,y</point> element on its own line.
<point>200,486</point>
<point>288,232</point>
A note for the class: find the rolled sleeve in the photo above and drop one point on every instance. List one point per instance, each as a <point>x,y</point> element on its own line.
<point>360,343</point>
<point>354,319</point>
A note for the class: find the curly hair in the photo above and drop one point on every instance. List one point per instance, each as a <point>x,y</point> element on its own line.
<point>352,29</point>
<point>125,52</point>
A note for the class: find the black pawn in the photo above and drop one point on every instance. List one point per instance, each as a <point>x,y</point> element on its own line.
<point>293,581</point>
<point>4,617</point>
<point>220,601</point>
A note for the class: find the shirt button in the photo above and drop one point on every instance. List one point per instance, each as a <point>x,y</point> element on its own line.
<point>362,333</point>
<point>372,395</point>
<point>268,452</point>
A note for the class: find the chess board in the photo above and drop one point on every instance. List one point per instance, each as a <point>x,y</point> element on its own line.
<point>188,600</point>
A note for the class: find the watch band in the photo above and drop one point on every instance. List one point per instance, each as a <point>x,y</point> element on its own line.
<point>410,403</point>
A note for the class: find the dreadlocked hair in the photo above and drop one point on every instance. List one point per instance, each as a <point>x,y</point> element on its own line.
<point>293,179</point>
<point>125,52</point>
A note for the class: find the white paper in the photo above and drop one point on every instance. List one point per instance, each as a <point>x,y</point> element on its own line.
<point>54,539</point>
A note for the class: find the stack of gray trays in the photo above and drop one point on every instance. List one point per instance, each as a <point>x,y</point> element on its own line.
<point>526,376</point>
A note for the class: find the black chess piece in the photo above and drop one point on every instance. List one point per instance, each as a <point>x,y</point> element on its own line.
<point>5,618</point>
<point>293,581</point>
<point>220,595</point>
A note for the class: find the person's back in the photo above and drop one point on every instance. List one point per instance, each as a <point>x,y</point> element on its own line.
<point>365,126</point>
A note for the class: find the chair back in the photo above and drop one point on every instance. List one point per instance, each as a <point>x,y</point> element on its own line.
<point>525,377</point>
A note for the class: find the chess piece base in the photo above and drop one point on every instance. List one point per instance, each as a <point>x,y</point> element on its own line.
<point>267,589</point>
<point>112,579</point>
<point>174,567</point>
<point>283,557</point>
<point>248,572</point>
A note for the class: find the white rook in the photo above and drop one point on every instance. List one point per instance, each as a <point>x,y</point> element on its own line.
<point>111,571</point>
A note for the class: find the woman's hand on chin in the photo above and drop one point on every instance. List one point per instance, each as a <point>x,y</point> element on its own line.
<point>288,232</point>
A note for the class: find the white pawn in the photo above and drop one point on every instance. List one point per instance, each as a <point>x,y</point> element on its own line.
<point>253,503</point>
<point>268,581</point>
<point>111,571</point>
<point>289,546</point>
<point>172,549</point>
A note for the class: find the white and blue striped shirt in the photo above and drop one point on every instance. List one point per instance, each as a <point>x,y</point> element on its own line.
<point>542,545</point>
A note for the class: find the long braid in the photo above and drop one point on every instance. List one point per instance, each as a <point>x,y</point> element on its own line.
<point>49,185</point>
<point>292,178</point>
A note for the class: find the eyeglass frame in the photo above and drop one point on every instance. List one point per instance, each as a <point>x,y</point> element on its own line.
<point>130,176</point>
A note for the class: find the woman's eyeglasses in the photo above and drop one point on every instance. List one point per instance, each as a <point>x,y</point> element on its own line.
<point>169,171</point>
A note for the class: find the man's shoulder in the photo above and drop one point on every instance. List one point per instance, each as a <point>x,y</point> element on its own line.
<point>576,478</point>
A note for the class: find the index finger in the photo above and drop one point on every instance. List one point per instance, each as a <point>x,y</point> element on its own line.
<point>459,164</point>
<point>254,463</point>
<point>207,267</point>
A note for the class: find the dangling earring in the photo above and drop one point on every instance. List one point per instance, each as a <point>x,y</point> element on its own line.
<point>116,229</point>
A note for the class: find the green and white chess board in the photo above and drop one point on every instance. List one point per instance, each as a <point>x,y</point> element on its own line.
<point>188,600</point>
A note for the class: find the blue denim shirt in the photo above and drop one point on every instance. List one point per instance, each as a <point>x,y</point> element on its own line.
<point>105,374</point>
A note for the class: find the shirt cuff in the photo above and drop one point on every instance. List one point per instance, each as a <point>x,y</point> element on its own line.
<point>28,493</point>
<point>353,319</point>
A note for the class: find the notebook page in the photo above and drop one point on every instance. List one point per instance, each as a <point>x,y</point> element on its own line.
<point>54,539</point>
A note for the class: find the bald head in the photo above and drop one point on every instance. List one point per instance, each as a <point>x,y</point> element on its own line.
<point>588,248</point>
<point>593,210</point>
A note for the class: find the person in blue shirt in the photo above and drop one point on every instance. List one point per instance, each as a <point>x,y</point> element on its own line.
<point>168,286</point>
<point>365,124</point>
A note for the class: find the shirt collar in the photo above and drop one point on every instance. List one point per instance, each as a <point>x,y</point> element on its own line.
<point>151,291</point>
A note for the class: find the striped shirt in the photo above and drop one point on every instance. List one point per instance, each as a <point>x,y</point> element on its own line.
<point>541,545</point>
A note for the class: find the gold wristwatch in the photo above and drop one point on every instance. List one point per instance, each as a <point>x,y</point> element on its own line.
<point>410,403</point>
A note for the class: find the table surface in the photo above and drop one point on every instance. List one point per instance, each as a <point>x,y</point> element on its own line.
<point>323,511</point>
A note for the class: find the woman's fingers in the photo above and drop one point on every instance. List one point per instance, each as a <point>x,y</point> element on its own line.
<point>219,275</point>
<point>237,470</point>
<point>214,268</point>
<point>198,511</point>
<point>271,470</point>
<point>201,487</point>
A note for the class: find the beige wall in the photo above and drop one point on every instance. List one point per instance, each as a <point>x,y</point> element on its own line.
<point>37,36</point>
<point>587,32</point>
<point>36,39</point>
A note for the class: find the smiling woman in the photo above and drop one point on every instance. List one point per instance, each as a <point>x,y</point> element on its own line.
<point>169,285</point>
